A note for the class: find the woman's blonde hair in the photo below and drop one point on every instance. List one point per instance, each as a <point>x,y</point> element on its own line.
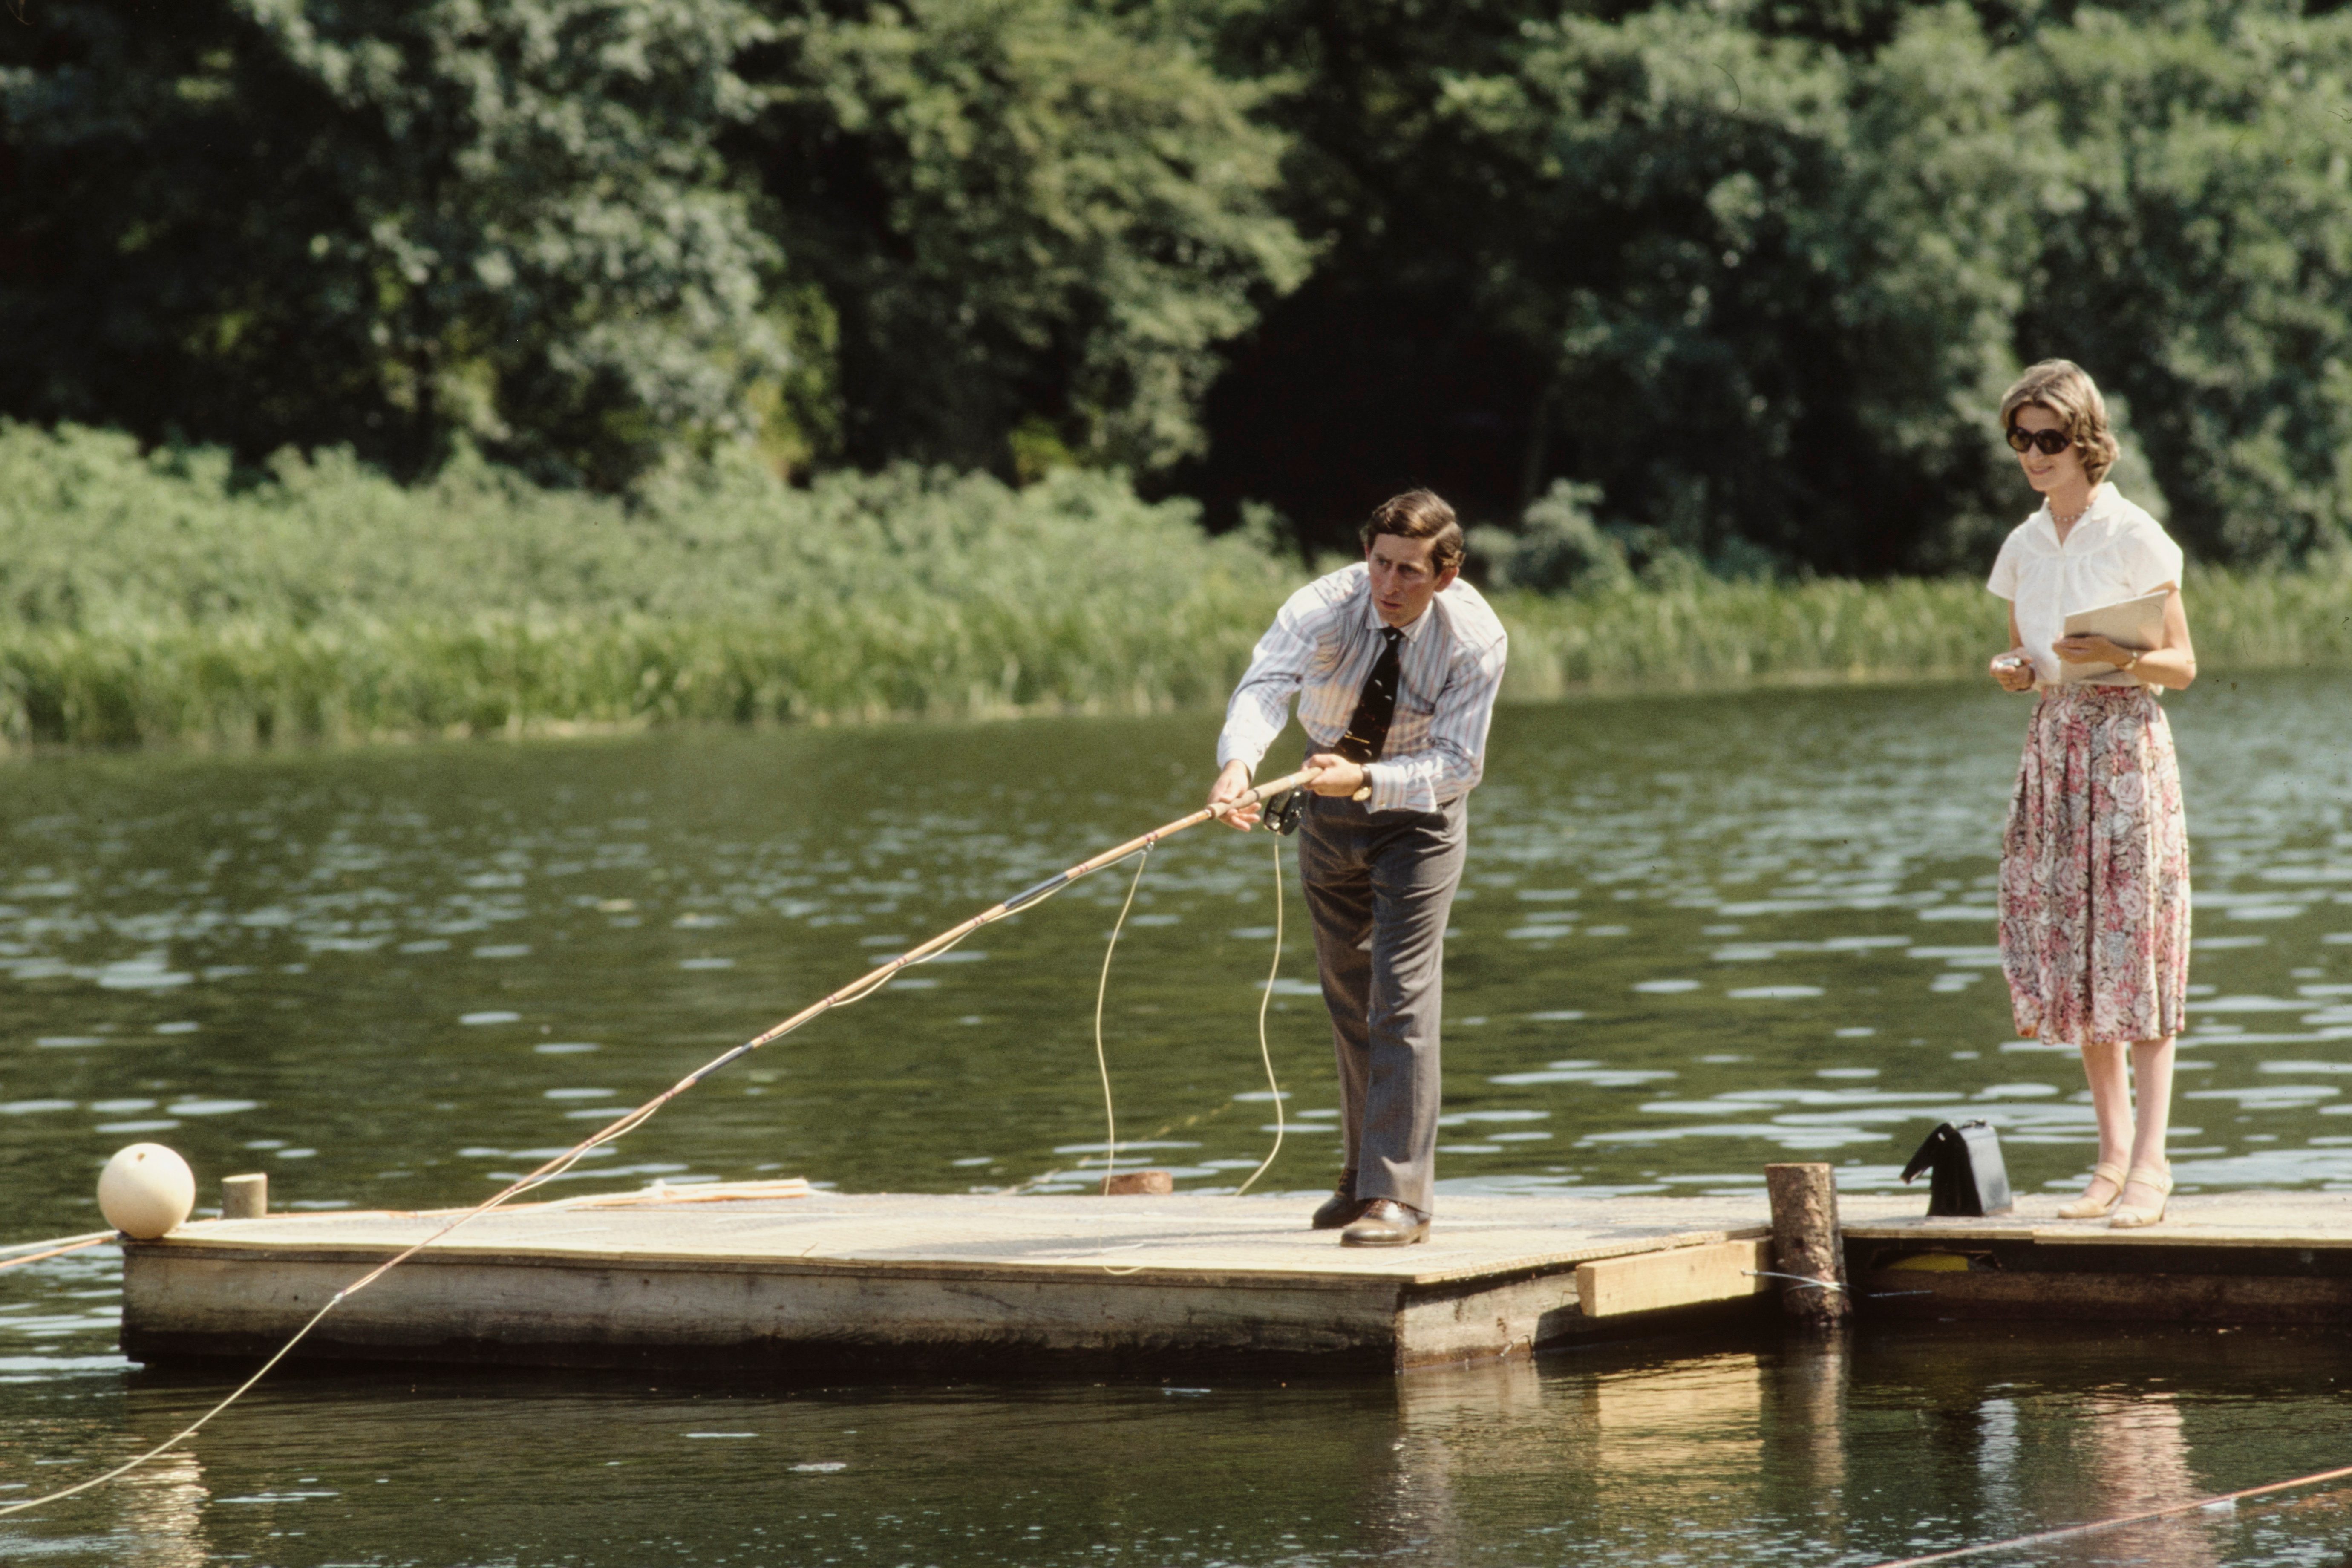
<point>2067,390</point>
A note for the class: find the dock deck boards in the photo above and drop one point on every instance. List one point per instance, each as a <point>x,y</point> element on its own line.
<point>832,1279</point>
<point>2193,1219</point>
<point>1183,1234</point>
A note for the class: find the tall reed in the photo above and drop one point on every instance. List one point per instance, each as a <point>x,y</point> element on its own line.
<point>165,596</point>
<point>1710,633</point>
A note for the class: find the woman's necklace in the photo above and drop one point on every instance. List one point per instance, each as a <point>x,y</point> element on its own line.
<point>2066,525</point>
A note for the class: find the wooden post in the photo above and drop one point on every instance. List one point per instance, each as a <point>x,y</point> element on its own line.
<point>1138,1185</point>
<point>1806,1243</point>
<point>245,1197</point>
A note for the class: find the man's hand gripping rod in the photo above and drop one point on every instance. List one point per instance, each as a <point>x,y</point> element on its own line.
<point>866,983</point>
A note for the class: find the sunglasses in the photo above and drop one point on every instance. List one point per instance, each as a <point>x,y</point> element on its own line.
<point>2050,441</point>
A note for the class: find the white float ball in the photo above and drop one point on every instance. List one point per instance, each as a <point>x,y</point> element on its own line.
<point>146,1190</point>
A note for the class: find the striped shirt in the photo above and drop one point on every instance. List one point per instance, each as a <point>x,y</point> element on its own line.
<point>1321,646</point>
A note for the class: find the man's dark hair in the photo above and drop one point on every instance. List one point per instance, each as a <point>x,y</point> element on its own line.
<point>1419,514</point>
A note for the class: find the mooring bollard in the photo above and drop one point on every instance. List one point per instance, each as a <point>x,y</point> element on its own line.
<point>245,1197</point>
<point>1806,1245</point>
<point>1138,1185</point>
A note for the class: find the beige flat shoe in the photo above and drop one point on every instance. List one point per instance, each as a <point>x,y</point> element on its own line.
<point>2134,1218</point>
<point>2089,1208</point>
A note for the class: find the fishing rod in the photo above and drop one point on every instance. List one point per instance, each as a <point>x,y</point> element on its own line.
<point>55,1247</point>
<point>2217,1504</point>
<point>858,990</point>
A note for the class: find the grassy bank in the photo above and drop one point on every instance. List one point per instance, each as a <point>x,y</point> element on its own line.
<point>145,599</point>
<point>167,598</point>
<point>1708,633</point>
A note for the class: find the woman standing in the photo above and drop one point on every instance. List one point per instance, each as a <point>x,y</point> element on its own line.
<point>2095,862</point>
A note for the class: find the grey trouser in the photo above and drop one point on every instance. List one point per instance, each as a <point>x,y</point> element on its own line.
<point>1380,888</point>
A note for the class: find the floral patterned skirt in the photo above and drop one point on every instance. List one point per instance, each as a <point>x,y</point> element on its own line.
<point>2094,872</point>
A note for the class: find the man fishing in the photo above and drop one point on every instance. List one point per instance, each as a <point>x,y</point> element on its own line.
<point>1395,663</point>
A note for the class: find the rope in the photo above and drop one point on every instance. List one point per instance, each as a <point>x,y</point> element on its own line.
<point>1805,1279</point>
<point>856,991</point>
<point>57,1247</point>
<point>546,1172</point>
<point>2224,1501</point>
<point>1265,1051</point>
<point>1102,989</point>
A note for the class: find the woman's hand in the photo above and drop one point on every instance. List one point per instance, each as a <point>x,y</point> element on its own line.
<point>2013,670</point>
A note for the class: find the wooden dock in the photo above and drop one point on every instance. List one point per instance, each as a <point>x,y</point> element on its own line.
<point>828,1283</point>
<point>829,1278</point>
<point>2226,1258</point>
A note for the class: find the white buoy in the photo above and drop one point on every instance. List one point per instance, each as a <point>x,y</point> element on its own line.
<point>145,1190</point>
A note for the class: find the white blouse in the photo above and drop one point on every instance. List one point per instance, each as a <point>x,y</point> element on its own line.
<point>2116,551</point>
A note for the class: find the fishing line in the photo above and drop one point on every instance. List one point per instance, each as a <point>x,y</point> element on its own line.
<point>55,1247</point>
<point>856,991</point>
<point>545,1174</point>
<point>2224,1501</point>
<point>1102,989</point>
<point>1805,1279</point>
<point>1265,1051</point>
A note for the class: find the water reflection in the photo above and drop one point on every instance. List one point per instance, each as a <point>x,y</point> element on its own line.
<point>163,1514</point>
<point>1696,935</point>
<point>1787,1453</point>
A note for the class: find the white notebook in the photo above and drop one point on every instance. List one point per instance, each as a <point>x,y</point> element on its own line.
<point>2128,622</point>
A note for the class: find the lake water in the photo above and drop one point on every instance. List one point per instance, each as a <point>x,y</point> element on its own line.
<point>1697,934</point>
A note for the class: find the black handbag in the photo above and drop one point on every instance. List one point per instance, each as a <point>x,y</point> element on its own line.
<point>1965,1174</point>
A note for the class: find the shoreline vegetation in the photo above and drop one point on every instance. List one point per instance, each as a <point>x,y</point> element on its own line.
<point>166,597</point>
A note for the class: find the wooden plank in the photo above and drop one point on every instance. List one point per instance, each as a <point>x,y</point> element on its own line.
<point>1243,1241</point>
<point>1993,1293</point>
<point>2186,1237</point>
<point>182,1301</point>
<point>2251,1219</point>
<point>1683,1277</point>
<point>1504,1319</point>
<point>463,1310</point>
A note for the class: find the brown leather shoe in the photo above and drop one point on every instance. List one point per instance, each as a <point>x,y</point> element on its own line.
<point>1387,1223</point>
<point>1342,1206</point>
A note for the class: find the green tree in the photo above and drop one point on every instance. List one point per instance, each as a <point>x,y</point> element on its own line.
<point>1021,216</point>
<point>2200,256</point>
<point>1761,271</point>
<point>1388,366</point>
<point>389,223</point>
<point>1737,261</point>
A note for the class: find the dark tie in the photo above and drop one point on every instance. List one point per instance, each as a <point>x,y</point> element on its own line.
<point>1368,727</point>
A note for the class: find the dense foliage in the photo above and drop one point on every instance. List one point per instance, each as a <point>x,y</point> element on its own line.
<point>146,596</point>
<point>1761,269</point>
<point>161,596</point>
<point>1750,272</point>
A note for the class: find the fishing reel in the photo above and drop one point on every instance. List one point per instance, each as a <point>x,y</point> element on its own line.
<point>1284,813</point>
